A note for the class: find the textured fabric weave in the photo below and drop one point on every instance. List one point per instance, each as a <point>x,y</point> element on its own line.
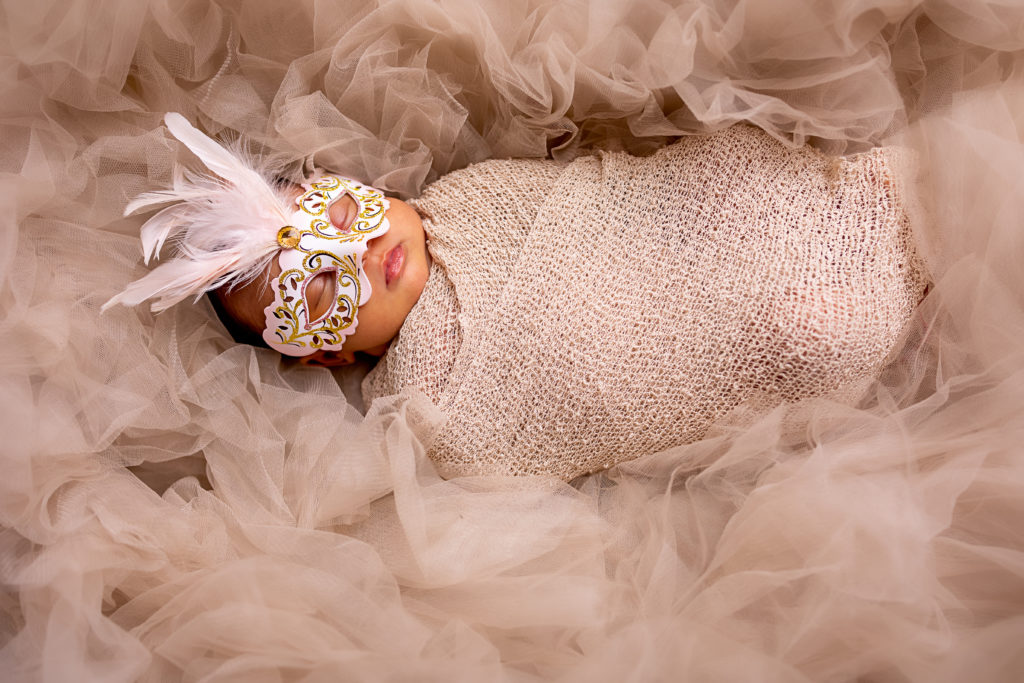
<point>723,270</point>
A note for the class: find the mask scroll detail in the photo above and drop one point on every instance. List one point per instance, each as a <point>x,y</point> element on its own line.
<point>313,246</point>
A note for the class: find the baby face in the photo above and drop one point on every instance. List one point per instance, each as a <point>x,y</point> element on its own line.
<point>396,264</point>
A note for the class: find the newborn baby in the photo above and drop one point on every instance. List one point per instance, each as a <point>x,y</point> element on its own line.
<point>572,316</point>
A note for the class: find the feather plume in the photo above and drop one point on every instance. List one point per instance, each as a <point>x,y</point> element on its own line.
<point>224,226</point>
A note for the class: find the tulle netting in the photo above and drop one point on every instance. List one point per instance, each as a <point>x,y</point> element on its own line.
<point>178,507</point>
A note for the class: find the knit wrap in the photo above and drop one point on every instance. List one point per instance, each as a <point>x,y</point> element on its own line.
<point>581,315</point>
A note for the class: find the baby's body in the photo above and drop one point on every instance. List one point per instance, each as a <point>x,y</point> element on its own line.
<point>579,316</point>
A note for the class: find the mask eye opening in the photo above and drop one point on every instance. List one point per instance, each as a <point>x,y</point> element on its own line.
<point>325,304</point>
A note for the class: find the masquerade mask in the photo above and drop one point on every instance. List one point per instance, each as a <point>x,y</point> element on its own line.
<point>230,224</point>
<point>313,246</point>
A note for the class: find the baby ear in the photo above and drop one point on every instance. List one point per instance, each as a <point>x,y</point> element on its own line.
<point>329,359</point>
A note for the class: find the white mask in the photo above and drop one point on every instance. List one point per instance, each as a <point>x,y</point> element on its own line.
<point>312,246</point>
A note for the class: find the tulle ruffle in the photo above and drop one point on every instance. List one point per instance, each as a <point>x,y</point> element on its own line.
<point>175,506</point>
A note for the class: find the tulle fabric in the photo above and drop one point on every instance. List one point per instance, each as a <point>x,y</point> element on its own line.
<point>177,507</point>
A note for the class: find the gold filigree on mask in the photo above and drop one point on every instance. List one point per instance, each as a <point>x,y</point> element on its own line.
<point>289,328</point>
<point>317,247</point>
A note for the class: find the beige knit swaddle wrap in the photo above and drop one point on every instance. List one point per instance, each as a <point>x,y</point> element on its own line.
<point>583,315</point>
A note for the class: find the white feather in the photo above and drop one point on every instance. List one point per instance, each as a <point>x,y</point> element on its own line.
<point>224,227</point>
<point>217,159</point>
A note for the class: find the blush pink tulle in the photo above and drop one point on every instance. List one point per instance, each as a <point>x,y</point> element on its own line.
<point>178,507</point>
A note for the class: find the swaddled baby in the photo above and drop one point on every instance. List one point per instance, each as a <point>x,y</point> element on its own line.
<point>568,317</point>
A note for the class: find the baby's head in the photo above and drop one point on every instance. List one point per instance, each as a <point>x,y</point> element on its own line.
<point>319,271</point>
<point>396,265</point>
